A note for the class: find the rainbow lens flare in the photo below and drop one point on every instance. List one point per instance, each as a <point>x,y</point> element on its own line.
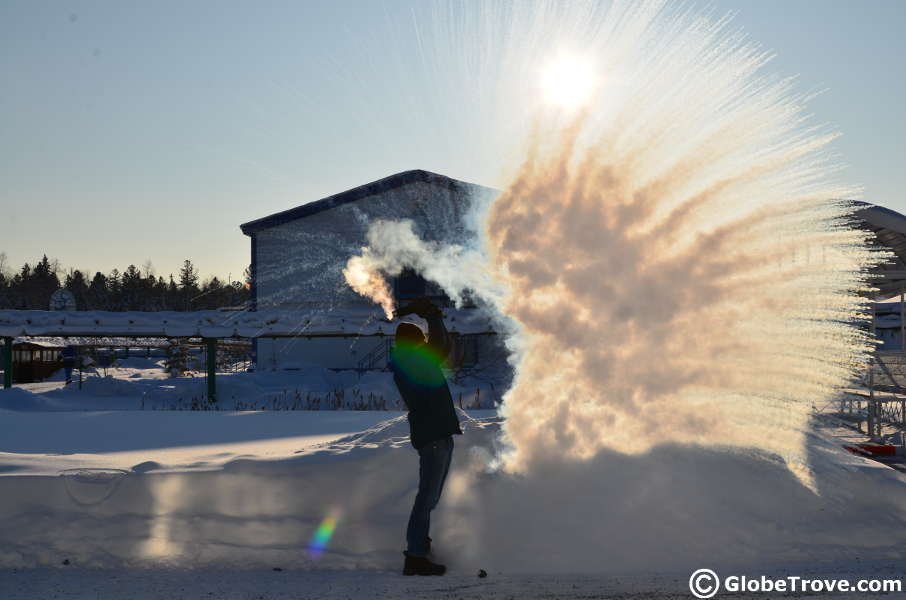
<point>321,537</point>
<point>419,363</point>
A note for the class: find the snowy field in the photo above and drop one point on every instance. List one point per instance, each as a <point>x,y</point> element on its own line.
<point>46,444</point>
<point>225,504</point>
<point>143,384</point>
<point>182,584</point>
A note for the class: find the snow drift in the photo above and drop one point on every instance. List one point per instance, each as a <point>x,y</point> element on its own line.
<point>673,508</point>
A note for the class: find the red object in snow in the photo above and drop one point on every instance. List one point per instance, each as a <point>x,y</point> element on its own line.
<point>873,449</point>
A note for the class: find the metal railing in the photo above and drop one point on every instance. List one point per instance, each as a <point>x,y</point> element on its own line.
<point>380,352</point>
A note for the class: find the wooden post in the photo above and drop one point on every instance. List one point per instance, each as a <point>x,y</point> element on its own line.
<point>7,362</point>
<point>211,350</point>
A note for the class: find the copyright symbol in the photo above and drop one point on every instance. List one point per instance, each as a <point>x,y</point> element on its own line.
<point>704,583</point>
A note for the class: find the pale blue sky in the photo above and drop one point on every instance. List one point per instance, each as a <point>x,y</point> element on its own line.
<point>133,131</point>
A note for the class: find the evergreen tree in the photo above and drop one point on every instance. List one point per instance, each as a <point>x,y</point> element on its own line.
<point>98,297</point>
<point>212,295</point>
<point>131,289</point>
<point>160,294</point>
<point>75,283</point>
<point>41,285</point>
<point>173,299</point>
<point>4,291</point>
<point>115,290</point>
<point>188,275</point>
<point>188,284</point>
<point>177,361</point>
<point>19,287</point>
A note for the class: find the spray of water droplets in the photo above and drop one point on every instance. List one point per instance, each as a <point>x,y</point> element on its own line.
<point>674,253</point>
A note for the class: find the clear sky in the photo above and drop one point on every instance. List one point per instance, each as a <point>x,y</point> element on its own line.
<point>133,131</point>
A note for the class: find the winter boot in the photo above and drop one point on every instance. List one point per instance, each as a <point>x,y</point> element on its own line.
<point>419,565</point>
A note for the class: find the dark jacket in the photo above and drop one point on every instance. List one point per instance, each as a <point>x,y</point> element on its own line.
<point>417,371</point>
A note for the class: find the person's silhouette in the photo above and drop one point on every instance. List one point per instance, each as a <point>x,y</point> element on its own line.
<point>417,366</point>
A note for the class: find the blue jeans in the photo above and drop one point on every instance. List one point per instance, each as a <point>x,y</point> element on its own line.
<point>433,464</point>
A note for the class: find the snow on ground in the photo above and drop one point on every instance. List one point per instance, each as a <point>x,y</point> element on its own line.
<point>267,584</point>
<point>201,504</point>
<point>36,443</point>
<point>673,508</point>
<point>142,384</point>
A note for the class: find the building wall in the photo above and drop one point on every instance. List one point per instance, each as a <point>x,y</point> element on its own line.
<point>298,265</point>
<point>331,353</point>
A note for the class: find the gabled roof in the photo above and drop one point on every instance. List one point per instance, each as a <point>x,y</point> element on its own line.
<point>357,193</point>
<point>889,228</point>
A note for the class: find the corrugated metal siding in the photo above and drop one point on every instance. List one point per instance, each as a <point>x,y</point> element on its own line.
<point>299,264</point>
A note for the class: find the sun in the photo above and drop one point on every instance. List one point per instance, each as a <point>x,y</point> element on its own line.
<point>568,81</point>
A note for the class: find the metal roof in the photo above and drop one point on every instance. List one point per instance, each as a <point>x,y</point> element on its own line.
<point>889,228</point>
<point>357,193</point>
<point>350,322</point>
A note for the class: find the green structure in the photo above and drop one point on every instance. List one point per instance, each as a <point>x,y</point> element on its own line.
<point>211,346</point>
<point>7,362</point>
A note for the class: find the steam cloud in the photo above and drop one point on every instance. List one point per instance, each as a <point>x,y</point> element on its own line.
<point>363,275</point>
<point>673,255</point>
<point>394,245</point>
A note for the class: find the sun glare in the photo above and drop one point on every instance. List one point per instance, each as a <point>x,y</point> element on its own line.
<point>567,82</point>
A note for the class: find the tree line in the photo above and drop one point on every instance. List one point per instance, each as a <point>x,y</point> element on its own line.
<point>132,289</point>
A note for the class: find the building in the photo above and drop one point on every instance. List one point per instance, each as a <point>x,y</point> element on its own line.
<point>298,256</point>
<point>36,359</point>
<point>889,230</point>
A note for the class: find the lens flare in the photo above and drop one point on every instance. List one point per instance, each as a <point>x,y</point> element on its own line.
<point>321,537</point>
<point>419,364</point>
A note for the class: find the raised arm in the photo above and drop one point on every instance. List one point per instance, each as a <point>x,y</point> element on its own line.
<point>438,339</point>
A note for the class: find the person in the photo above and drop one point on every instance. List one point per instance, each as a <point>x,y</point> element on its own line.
<point>69,360</point>
<point>417,367</point>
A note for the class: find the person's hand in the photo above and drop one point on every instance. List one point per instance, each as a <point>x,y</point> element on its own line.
<point>423,307</point>
<point>431,310</point>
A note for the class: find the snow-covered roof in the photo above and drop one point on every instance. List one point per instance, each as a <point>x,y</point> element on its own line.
<point>43,342</point>
<point>99,341</point>
<point>889,227</point>
<point>220,324</point>
<point>357,193</point>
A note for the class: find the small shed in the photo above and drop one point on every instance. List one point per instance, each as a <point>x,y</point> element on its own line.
<point>35,360</point>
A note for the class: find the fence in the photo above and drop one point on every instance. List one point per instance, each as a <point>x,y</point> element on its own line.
<point>883,399</point>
